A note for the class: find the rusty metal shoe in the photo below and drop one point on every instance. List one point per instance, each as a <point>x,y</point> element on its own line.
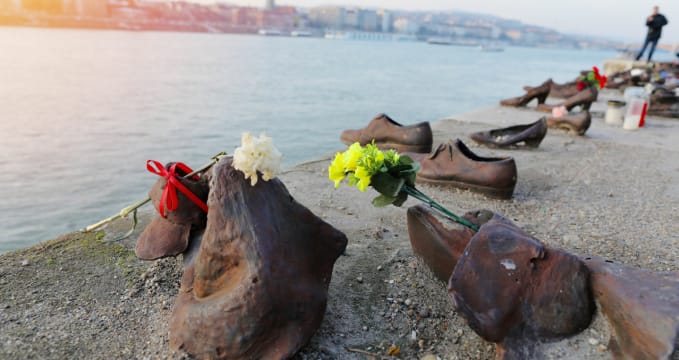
<point>583,98</point>
<point>517,292</point>
<point>576,123</point>
<point>169,235</point>
<point>388,134</point>
<point>548,81</point>
<point>439,241</point>
<point>530,135</point>
<point>512,289</point>
<point>454,165</point>
<point>258,286</point>
<point>541,92</point>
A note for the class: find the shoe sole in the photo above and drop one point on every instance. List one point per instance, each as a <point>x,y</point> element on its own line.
<point>495,193</point>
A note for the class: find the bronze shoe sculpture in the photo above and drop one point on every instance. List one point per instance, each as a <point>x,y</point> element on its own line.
<point>564,90</point>
<point>257,288</point>
<point>168,233</point>
<point>574,123</point>
<point>548,81</point>
<point>583,98</point>
<point>642,307</point>
<point>511,289</point>
<point>453,164</point>
<point>530,135</point>
<point>438,241</point>
<point>388,134</point>
<point>541,92</point>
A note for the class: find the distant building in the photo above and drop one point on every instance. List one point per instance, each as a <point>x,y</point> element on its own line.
<point>280,18</point>
<point>351,18</point>
<point>86,8</point>
<point>495,32</point>
<point>387,21</point>
<point>359,19</point>
<point>332,17</point>
<point>48,6</point>
<point>406,26</point>
<point>244,16</point>
<point>513,34</point>
<point>367,20</point>
<point>10,6</point>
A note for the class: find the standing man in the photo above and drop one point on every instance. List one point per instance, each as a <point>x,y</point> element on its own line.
<point>655,22</point>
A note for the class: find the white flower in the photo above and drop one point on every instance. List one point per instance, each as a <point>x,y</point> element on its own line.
<point>257,154</point>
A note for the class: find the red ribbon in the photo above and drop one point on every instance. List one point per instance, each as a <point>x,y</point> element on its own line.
<point>169,197</point>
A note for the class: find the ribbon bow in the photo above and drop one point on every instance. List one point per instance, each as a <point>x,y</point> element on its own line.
<point>169,198</point>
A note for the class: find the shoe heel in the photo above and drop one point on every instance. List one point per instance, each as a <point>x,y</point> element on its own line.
<point>542,98</point>
<point>586,105</point>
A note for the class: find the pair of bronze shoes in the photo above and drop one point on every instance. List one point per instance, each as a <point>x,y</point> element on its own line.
<point>511,288</point>
<point>257,266</point>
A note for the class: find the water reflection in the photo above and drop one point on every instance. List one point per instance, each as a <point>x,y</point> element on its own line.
<point>83,110</point>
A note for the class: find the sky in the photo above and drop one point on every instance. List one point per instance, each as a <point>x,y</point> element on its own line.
<point>614,19</point>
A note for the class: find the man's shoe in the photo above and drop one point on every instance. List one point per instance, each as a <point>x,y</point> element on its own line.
<point>530,134</point>
<point>388,134</point>
<point>453,164</point>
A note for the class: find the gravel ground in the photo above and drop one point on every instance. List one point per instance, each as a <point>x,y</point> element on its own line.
<point>612,194</point>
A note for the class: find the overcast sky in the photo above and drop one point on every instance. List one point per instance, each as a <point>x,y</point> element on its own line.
<point>615,19</point>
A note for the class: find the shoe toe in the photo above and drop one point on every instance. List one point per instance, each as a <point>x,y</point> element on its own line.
<point>350,136</point>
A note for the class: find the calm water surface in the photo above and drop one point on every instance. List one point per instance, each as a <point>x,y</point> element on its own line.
<point>82,111</point>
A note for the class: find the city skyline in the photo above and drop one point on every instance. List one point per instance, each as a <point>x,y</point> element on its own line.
<point>615,20</point>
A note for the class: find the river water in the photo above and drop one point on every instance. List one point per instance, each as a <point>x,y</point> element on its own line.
<point>82,111</point>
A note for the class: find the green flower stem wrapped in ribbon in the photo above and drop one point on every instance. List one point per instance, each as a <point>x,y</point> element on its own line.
<point>390,174</point>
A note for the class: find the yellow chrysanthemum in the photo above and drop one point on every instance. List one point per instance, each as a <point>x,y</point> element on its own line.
<point>363,177</point>
<point>351,155</point>
<point>392,157</point>
<point>372,159</point>
<point>336,170</point>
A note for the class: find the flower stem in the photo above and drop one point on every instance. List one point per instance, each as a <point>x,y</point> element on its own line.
<point>412,191</point>
<point>133,208</point>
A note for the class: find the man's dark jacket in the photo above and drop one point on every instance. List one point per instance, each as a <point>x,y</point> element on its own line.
<point>655,27</point>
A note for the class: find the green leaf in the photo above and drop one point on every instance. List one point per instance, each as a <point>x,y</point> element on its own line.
<point>405,159</point>
<point>412,175</point>
<point>401,168</point>
<point>383,200</point>
<point>400,199</point>
<point>386,184</point>
<point>410,179</point>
